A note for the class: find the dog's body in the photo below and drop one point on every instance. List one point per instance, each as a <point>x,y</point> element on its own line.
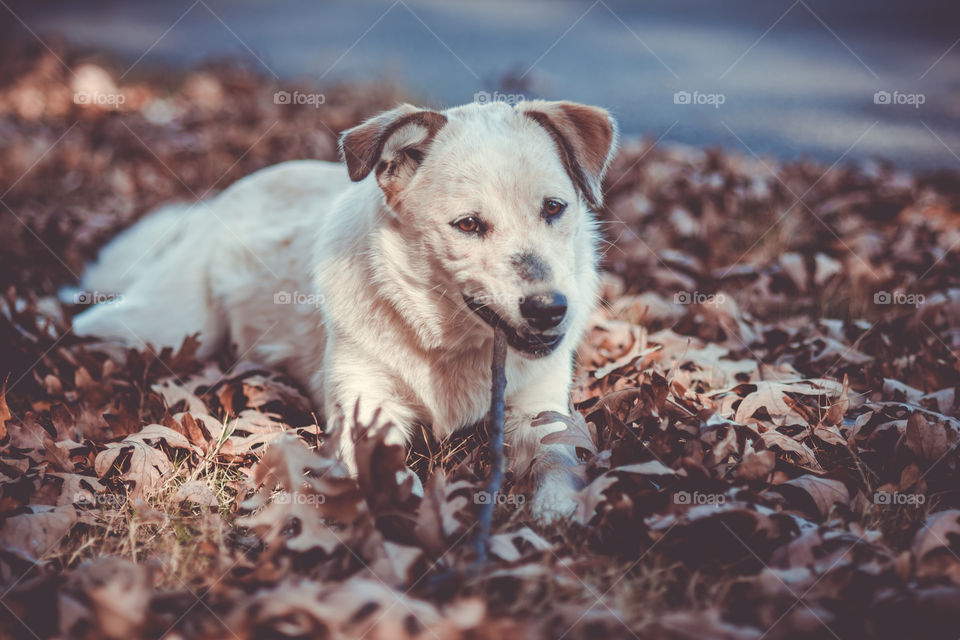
<point>377,287</point>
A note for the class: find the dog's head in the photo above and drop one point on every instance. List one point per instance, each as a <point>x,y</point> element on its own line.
<point>493,206</point>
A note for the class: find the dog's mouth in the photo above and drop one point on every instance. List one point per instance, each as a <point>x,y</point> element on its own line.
<point>536,345</point>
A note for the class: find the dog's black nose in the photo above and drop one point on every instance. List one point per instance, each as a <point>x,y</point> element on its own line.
<point>544,310</point>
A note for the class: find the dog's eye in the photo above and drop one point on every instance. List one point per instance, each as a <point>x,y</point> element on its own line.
<point>470,224</point>
<point>552,208</point>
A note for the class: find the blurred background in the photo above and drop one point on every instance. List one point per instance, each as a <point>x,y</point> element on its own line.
<point>797,79</point>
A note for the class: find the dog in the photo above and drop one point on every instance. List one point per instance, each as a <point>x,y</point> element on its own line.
<point>377,287</point>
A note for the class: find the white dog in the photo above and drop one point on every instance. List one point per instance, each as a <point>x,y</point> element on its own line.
<point>377,286</point>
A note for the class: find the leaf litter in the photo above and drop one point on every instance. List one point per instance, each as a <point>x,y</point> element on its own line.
<point>765,405</point>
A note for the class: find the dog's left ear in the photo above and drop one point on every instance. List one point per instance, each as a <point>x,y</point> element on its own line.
<point>391,145</point>
<point>585,137</point>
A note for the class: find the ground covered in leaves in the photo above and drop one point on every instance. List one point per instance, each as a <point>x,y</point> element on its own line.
<point>769,402</point>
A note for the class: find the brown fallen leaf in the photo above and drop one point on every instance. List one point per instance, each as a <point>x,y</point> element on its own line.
<point>440,519</point>
<point>822,493</point>
<point>314,488</point>
<point>32,535</point>
<point>578,432</point>
<point>928,441</point>
<point>321,481</point>
<point>196,492</point>
<point>28,434</point>
<point>514,545</point>
<point>772,397</point>
<point>77,489</point>
<point>356,608</point>
<point>145,466</point>
<point>778,440</point>
<point>755,465</point>
<point>936,546</point>
<point>592,496</point>
<point>292,525</point>
<point>110,596</point>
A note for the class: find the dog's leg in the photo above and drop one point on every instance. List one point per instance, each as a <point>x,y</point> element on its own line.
<point>555,467</point>
<point>354,387</point>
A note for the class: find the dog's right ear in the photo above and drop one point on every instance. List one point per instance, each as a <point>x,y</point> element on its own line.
<point>391,145</point>
<point>585,137</point>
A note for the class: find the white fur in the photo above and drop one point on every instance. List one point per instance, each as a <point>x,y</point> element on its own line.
<point>381,322</point>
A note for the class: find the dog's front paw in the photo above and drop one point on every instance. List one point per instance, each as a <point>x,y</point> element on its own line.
<point>556,500</point>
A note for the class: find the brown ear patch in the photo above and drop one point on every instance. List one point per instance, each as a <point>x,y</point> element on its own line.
<point>358,147</point>
<point>567,156</point>
<point>585,138</point>
<point>362,147</point>
<point>595,135</point>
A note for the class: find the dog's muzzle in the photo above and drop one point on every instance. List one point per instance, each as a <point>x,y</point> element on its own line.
<point>536,345</point>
